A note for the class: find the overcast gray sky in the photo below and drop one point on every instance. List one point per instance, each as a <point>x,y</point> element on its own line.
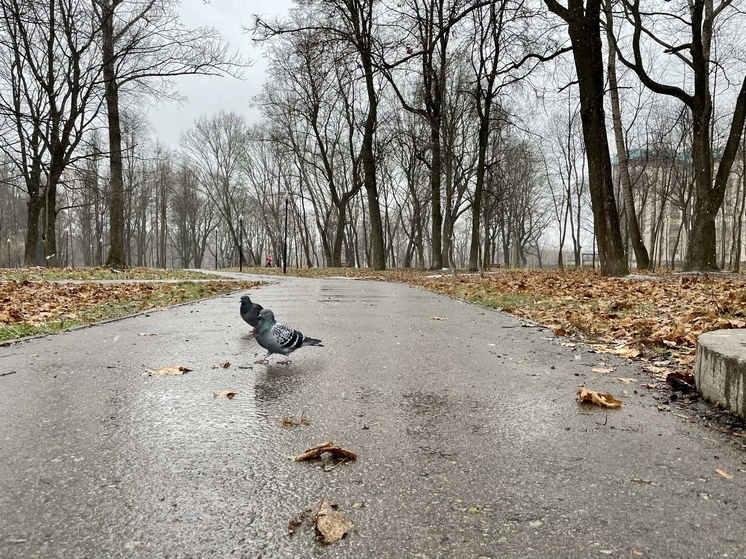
<point>208,95</point>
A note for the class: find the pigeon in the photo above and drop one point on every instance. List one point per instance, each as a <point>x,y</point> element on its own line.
<point>250,311</point>
<point>278,338</point>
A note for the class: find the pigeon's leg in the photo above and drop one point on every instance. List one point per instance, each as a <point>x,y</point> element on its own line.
<point>264,360</point>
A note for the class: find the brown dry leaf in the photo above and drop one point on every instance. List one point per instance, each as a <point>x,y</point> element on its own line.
<point>437,318</point>
<point>625,380</point>
<point>603,400</point>
<point>331,525</point>
<point>628,352</point>
<point>175,370</point>
<point>288,421</point>
<point>638,552</point>
<point>603,370</point>
<point>224,365</point>
<point>227,393</point>
<point>319,449</point>
<point>723,473</point>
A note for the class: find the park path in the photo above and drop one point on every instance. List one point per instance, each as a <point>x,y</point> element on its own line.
<point>469,438</point>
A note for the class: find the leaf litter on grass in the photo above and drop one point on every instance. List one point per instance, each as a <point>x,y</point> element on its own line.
<point>40,307</point>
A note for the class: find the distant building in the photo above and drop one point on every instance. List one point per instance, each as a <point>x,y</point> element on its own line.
<point>663,190</point>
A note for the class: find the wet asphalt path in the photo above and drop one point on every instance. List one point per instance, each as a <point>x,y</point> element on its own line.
<point>470,441</point>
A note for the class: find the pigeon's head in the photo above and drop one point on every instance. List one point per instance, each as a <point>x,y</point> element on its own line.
<point>266,314</point>
<point>246,299</point>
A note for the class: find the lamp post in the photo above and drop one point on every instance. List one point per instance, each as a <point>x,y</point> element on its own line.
<point>100,251</point>
<point>240,243</point>
<point>8,253</point>
<point>216,248</point>
<point>285,239</point>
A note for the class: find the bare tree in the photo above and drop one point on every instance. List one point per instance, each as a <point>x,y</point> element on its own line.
<point>351,23</point>
<point>583,18</point>
<point>641,253</point>
<point>143,41</point>
<point>48,101</point>
<point>215,148</point>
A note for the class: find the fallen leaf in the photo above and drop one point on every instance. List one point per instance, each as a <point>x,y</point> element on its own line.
<point>681,382</point>
<point>147,334</point>
<point>625,380</point>
<point>222,365</point>
<point>288,421</point>
<point>331,525</point>
<point>319,449</point>
<point>723,473</point>
<point>227,393</point>
<point>175,370</point>
<point>603,370</point>
<point>638,552</point>
<point>437,318</point>
<point>603,400</point>
<point>628,352</point>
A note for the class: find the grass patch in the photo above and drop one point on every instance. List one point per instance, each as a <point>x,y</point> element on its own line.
<point>506,301</point>
<point>94,274</point>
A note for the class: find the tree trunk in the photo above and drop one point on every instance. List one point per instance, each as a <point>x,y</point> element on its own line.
<point>378,254</point>
<point>34,206</point>
<point>51,258</point>
<point>437,212</point>
<point>476,207</point>
<point>641,254</point>
<point>115,257</point>
<point>585,35</point>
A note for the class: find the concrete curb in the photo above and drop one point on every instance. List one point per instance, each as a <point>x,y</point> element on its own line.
<point>720,369</point>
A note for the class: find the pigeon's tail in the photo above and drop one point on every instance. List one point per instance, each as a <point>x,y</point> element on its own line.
<point>311,341</point>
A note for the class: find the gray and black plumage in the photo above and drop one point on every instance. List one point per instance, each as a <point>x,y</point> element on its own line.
<point>278,338</point>
<point>250,311</point>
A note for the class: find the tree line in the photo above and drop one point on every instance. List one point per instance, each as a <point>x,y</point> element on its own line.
<point>427,133</point>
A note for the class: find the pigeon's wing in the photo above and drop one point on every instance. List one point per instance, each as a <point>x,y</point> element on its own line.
<point>287,338</point>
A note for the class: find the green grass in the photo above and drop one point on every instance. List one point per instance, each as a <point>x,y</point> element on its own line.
<point>504,301</point>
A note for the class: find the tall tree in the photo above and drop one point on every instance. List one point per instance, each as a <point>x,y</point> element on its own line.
<point>583,19</point>
<point>143,44</point>
<point>216,148</point>
<point>641,253</point>
<point>428,25</point>
<point>352,23</point>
